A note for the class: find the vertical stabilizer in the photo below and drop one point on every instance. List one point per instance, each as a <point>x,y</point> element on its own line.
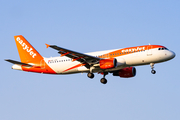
<point>27,53</point>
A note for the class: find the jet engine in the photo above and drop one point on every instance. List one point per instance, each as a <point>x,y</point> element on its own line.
<point>108,63</point>
<point>126,72</point>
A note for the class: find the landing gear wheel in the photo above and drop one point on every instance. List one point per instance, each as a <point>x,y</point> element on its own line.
<point>152,67</point>
<point>90,75</point>
<point>103,81</point>
<point>153,72</point>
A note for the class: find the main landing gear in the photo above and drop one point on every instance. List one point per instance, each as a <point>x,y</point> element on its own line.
<point>152,67</point>
<point>90,75</point>
<point>103,80</point>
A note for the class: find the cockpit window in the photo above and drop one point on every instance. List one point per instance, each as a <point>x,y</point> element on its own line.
<point>162,49</point>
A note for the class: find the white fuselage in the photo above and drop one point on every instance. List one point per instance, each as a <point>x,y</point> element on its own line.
<point>65,65</point>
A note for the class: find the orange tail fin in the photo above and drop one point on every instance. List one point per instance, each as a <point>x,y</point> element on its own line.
<point>27,53</point>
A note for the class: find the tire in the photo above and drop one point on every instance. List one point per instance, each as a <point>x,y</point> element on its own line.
<point>103,81</point>
<point>90,75</point>
<point>153,72</point>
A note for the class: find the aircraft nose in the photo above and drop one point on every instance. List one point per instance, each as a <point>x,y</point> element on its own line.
<point>172,54</point>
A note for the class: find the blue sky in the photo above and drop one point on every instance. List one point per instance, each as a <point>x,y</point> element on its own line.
<point>87,26</point>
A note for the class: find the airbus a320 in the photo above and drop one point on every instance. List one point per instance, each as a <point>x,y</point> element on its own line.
<point>118,62</point>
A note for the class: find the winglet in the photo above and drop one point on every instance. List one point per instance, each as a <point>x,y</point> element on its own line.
<point>47,45</point>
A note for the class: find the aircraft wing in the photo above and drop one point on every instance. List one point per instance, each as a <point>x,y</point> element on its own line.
<point>76,56</point>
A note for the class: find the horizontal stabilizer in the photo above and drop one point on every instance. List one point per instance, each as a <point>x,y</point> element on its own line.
<point>18,63</point>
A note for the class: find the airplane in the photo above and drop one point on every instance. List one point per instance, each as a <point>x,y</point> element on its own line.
<point>118,62</point>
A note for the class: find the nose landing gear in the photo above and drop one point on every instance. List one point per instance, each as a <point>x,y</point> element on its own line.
<point>152,67</point>
<point>153,71</point>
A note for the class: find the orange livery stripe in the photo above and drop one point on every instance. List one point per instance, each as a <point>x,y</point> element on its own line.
<point>130,50</point>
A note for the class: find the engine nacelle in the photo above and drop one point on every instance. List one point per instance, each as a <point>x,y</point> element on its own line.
<point>108,63</point>
<point>126,72</point>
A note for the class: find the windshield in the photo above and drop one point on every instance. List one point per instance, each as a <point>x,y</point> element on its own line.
<point>162,49</point>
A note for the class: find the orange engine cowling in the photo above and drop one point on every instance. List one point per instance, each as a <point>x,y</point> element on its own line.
<point>108,63</point>
<point>126,72</point>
